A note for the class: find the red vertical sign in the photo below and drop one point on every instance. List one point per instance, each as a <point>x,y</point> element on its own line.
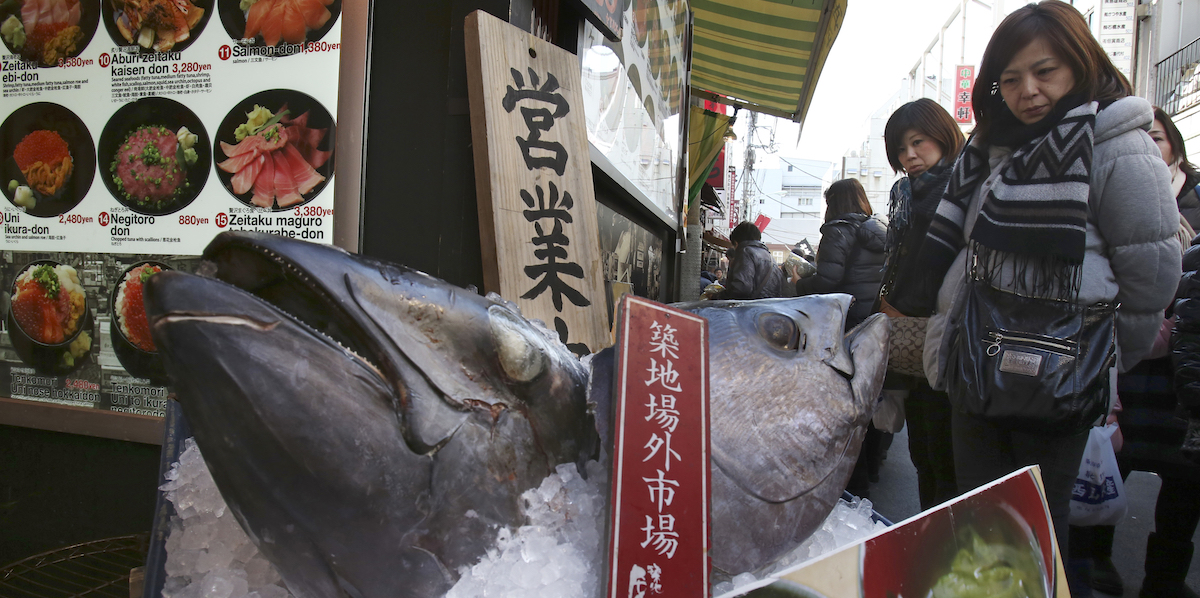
<point>660,485</point>
<point>964,80</point>
<point>734,211</point>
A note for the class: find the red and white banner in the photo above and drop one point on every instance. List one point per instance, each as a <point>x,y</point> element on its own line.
<point>761,222</point>
<point>660,485</point>
<point>964,80</point>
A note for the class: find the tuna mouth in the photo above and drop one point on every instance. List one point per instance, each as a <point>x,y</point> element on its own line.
<point>274,278</point>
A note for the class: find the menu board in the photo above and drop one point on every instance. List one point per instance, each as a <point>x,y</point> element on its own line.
<point>135,131</point>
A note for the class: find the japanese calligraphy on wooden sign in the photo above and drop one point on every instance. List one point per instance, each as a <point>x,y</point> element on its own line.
<point>537,209</point>
<point>964,81</point>
<point>659,534</point>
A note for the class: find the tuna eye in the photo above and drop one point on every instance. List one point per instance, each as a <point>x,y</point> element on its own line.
<point>779,331</point>
<point>521,354</point>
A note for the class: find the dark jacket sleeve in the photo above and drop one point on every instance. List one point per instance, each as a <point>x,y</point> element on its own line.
<point>1185,338</point>
<point>739,282</point>
<point>837,242</point>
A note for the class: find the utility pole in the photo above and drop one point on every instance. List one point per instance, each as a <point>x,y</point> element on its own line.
<point>748,168</point>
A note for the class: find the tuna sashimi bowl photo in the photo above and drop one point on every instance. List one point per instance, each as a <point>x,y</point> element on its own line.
<point>155,156</point>
<point>275,149</point>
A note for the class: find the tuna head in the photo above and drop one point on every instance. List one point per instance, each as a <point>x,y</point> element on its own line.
<point>790,396</point>
<point>370,426</point>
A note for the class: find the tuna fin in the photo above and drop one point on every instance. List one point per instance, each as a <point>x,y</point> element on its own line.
<point>866,341</point>
<point>827,325</point>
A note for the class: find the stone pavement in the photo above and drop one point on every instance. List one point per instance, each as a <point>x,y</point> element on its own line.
<point>895,497</point>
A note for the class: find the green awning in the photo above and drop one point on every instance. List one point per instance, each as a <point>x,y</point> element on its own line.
<point>765,55</point>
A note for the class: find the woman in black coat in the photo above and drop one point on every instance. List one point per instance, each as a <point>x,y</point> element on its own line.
<point>922,141</point>
<point>850,258</point>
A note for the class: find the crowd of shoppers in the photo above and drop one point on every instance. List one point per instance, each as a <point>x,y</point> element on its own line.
<point>1069,191</point>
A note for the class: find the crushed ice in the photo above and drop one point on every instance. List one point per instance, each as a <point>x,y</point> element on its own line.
<point>556,554</point>
<point>208,554</point>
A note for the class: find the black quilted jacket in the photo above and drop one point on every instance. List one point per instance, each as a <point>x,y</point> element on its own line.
<point>749,264</point>
<point>1185,339</point>
<point>849,260</point>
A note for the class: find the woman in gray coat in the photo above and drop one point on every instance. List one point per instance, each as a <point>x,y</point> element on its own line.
<point>1062,194</point>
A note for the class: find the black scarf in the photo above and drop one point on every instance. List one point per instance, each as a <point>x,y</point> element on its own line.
<point>1035,216</point>
<point>916,196</point>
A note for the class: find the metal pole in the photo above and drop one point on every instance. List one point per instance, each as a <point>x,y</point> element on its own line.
<point>748,167</point>
<point>962,57</point>
<point>924,81</point>
<point>941,62</point>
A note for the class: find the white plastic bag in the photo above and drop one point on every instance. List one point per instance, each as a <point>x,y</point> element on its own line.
<point>1099,494</point>
<point>889,412</point>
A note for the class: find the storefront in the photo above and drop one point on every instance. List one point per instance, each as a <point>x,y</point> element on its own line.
<point>379,90</point>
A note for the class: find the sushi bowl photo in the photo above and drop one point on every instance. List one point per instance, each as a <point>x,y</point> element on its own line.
<point>155,156</point>
<point>128,328</point>
<point>48,159</point>
<point>269,22</point>
<point>48,32</point>
<point>1005,534</point>
<point>275,149</point>
<point>49,321</point>
<point>155,25</point>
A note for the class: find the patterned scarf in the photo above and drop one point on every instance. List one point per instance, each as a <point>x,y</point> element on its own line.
<point>919,195</point>
<point>1035,216</point>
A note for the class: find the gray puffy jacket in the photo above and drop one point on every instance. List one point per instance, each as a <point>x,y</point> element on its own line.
<point>1132,255</point>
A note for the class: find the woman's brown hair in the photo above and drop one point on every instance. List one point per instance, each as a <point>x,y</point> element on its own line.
<point>928,118</point>
<point>846,196</point>
<point>1176,140</point>
<point>1064,30</point>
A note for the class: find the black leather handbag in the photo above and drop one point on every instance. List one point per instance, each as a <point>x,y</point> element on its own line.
<point>1032,364</point>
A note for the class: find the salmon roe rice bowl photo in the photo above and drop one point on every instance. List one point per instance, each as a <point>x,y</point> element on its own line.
<point>44,160</point>
<point>129,309</point>
<point>49,303</point>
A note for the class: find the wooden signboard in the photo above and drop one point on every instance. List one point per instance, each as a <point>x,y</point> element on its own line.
<point>537,207</point>
<point>660,511</point>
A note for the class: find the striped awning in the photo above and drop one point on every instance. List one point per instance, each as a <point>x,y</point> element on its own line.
<point>765,55</point>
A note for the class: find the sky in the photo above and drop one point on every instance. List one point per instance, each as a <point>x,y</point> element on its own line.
<point>879,43</point>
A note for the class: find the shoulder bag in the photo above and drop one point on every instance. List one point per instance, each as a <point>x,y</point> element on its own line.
<point>1032,364</point>
<point>906,346</point>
